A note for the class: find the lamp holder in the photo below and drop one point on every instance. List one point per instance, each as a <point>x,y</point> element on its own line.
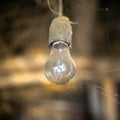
<point>60,30</point>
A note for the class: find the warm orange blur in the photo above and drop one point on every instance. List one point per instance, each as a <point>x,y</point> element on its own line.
<point>25,92</point>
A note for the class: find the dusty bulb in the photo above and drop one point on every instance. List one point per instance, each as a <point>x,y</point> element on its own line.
<point>60,67</point>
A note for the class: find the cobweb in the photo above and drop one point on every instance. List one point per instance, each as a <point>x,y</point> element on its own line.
<point>110,45</point>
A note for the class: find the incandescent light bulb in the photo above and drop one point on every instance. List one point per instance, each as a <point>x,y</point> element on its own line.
<point>60,67</point>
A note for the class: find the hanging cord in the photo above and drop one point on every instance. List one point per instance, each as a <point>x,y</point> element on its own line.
<point>60,9</point>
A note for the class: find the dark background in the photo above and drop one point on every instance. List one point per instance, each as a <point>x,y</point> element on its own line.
<point>25,93</point>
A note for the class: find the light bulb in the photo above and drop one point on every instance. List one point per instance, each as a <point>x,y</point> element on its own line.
<point>60,67</point>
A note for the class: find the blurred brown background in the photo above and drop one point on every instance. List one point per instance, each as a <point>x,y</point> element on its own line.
<point>25,93</point>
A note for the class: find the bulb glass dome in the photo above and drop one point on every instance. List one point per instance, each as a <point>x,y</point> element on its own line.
<point>60,67</point>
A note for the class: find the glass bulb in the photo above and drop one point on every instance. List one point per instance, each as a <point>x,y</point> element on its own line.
<point>60,67</point>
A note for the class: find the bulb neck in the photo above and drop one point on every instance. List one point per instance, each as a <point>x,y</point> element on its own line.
<point>59,41</point>
<point>60,47</point>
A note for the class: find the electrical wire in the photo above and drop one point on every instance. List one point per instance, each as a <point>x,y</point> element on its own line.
<point>60,8</point>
